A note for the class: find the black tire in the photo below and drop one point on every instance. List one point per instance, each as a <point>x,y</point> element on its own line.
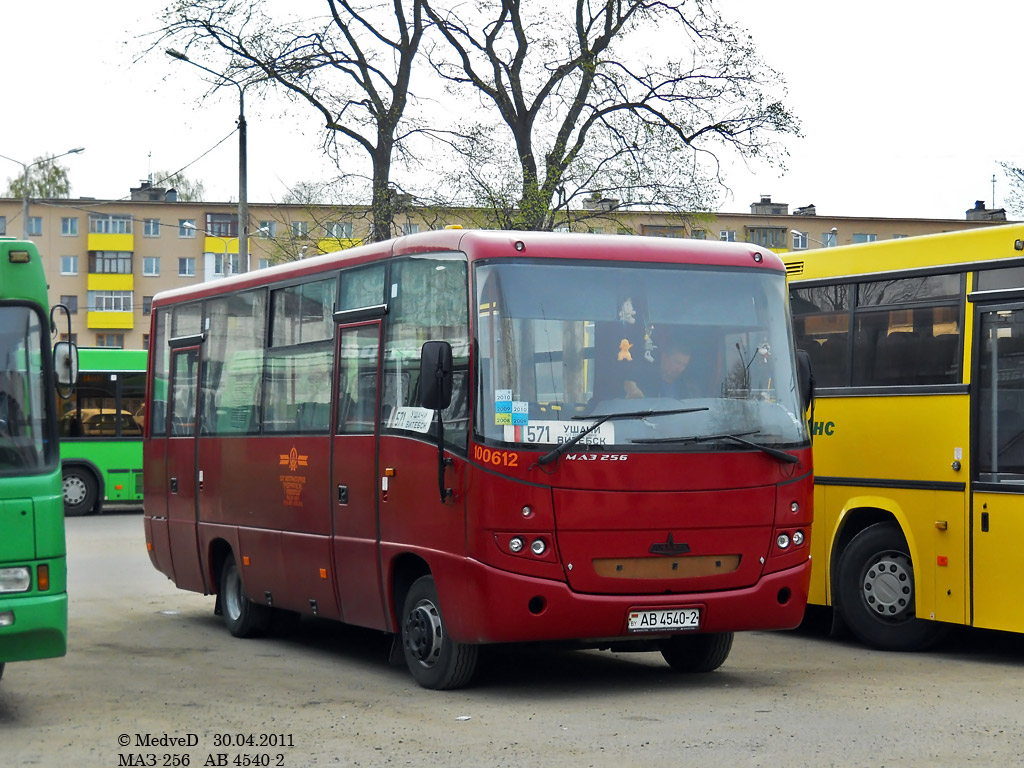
<point>2,670</point>
<point>242,616</point>
<point>697,653</point>
<point>875,584</point>
<point>434,659</point>
<point>80,491</point>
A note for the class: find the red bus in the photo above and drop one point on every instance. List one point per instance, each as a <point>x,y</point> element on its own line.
<point>472,437</point>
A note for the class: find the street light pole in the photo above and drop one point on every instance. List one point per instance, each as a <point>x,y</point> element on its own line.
<point>243,182</point>
<point>24,182</point>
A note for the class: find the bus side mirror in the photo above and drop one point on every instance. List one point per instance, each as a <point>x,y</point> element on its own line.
<point>65,365</point>
<point>805,376</point>
<point>435,375</point>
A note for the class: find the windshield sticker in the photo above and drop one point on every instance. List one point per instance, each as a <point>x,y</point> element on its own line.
<point>411,419</point>
<point>558,432</point>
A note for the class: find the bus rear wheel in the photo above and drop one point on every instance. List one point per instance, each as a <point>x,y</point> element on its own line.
<point>876,591</point>
<point>434,659</point>
<point>697,653</point>
<point>242,616</point>
<point>80,491</point>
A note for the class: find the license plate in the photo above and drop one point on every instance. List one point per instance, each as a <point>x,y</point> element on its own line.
<point>670,620</point>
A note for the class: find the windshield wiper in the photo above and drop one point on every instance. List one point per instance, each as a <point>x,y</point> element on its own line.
<point>736,438</point>
<point>558,450</point>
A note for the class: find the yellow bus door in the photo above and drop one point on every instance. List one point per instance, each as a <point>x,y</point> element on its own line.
<point>997,513</point>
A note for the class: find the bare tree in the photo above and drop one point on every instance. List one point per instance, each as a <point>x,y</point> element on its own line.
<point>189,190</point>
<point>353,66</point>
<point>1015,199</point>
<point>591,108</point>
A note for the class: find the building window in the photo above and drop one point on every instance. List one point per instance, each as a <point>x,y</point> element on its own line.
<point>73,338</point>
<point>267,229</point>
<point>300,228</point>
<point>35,226</point>
<point>727,235</point>
<point>151,266</point>
<point>898,237</point>
<point>110,225</point>
<point>110,340</point>
<point>71,302</point>
<point>69,265</point>
<point>69,226</point>
<point>145,341</point>
<point>699,234</point>
<point>658,230</point>
<point>343,229</point>
<point>186,266</point>
<point>407,229</point>
<point>147,304</point>
<point>151,227</point>
<point>3,225</point>
<point>222,225</point>
<point>768,237</point>
<point>828,239</point>
<point>799,240</point>
<point>187,228</point>
<point>110,262</point>
<point>218,263</point>
<point>110,301</point>
<point>859,237</point>
<point>264,263</point>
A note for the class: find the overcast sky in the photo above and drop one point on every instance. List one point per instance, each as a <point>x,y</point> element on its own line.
<point>906,105</point>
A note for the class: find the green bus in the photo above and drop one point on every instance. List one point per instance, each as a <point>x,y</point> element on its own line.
<point>101,431</point>
<point>33,566</point>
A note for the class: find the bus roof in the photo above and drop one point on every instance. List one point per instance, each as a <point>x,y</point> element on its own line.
<point>21,272</point>
<point>921,252</point>
<point>495,244</point>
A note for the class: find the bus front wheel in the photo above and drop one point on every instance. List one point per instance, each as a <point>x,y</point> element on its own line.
<point>434,659</point>
<point>697,653</point>
<point>242,616</point>
<point>80,491</point>
<point>876,591</point>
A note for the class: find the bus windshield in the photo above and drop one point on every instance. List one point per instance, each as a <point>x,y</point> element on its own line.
<point>561,345</point>
<point>24,442</point>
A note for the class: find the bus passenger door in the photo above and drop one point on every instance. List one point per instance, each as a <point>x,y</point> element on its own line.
<point>997,519</point>
<point>181,470</point>
<point>354,475</point>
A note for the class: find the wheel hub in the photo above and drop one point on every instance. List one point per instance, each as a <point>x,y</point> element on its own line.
<point>74,490</point>
<point>888,586</point>
<point>423,636</point>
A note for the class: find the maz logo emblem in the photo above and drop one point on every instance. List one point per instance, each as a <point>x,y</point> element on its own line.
<point>669,547</point>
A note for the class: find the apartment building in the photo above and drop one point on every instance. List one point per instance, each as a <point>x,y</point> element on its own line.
<point>106,259</point>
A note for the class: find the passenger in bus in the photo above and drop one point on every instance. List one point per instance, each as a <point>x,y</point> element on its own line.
<point>667,378</point>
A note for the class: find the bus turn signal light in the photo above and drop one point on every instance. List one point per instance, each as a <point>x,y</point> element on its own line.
<point>43,578</point>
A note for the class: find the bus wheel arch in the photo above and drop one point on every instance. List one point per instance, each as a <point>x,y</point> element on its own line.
<point>874,586</point>
<point>241,616</point>
<point>82,489</point>
<point>434,659</point>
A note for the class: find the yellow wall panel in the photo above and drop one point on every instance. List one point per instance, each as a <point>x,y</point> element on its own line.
<point>110,282</point>
<point>218,244</point>
<point>114,320</point>
<point>102,242</point>
<point>331,244</point>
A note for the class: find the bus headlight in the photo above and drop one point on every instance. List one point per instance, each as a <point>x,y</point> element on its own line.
<point>783,541</point>
<point>15,579</point>
<point>538,546</point>
<point>516,544</point>
<point>798,538</point>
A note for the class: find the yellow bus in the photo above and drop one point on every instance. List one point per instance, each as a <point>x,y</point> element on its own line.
<point>917,347</point>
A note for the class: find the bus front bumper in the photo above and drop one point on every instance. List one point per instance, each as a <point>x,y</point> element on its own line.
<point>33,627</point>
<point>486,605</point>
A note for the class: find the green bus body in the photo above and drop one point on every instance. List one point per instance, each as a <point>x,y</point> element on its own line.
<point>33,566</point>
<point>101,431</point>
